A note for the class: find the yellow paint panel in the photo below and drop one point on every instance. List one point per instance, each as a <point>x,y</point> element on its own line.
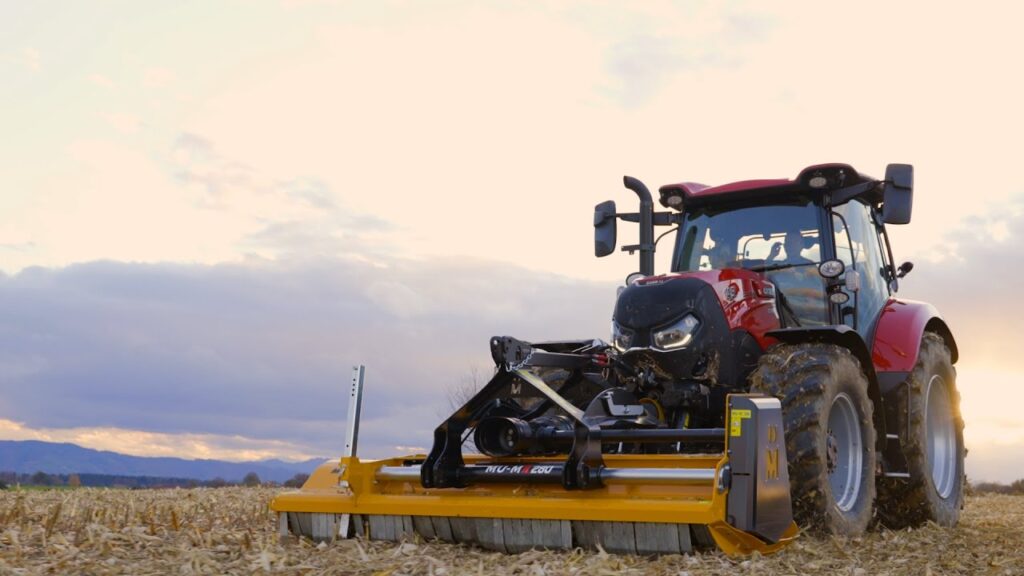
<point>324,493</point>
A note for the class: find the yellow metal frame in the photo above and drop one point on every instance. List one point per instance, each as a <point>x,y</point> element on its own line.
<point>352,487</point>
<point>702,504</point>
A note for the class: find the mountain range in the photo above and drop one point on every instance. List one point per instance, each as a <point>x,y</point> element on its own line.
<point>30,456</point>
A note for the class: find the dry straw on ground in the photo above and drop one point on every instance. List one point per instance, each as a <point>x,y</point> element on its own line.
<point>230,531</point>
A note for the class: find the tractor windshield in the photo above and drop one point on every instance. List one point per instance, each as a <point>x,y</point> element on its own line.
<point>781,240</point>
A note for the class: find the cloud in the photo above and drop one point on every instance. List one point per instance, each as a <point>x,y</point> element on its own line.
<point>18,246</point>
<point>27,58</point>
<point>974,278</point>
<point>187,203</point>
<point>263,350</point>
<point>197,163</point>
<point>153,444</point>
<point>122,122</point>
<point>680,40</point>
<point>975,282</point>
<point>101,81</point>
<point>293,217</point>
<point>157,77</point>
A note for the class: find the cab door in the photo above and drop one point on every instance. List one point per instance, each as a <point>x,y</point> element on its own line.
<point>857,246</point>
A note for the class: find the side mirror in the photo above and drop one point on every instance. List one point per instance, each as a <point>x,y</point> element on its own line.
<point>904,269</point>
<point>604,228</point>
<point>898,193</point>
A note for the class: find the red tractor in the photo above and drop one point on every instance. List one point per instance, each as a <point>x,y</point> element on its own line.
<point>788,288</point>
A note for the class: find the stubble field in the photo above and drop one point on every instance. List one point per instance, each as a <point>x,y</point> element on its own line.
<point>231,531</point>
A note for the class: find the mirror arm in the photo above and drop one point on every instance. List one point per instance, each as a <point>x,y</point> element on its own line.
<point>843,195</point>
<point>659,218</point>
<point>634,247</point>
<point>667,219</point>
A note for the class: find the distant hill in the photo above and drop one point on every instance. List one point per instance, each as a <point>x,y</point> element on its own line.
<point>30,456</point>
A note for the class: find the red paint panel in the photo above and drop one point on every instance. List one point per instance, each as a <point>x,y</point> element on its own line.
<point>898,334</point>
<point>687,188</point>
<point>744,186</point>
<point>696,190</point>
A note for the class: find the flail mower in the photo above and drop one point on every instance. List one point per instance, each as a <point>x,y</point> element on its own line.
<point>771,379</point>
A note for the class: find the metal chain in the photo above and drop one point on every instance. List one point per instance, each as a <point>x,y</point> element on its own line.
<point>519,365</point>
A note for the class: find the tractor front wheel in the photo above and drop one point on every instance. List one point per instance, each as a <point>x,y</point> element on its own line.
<point>830,436</point>
<point>932,435</point>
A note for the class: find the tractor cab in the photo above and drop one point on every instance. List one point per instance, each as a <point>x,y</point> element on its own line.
<point>819,239</point>
<point>781,241</point>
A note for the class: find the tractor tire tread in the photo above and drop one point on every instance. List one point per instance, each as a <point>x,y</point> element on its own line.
<point>906,503</point>
<point>804,377</point>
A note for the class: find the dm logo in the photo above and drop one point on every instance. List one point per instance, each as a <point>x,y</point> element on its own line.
<point>771,463</point>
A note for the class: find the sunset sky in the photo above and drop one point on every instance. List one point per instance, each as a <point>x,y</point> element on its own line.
<point>210,211</point>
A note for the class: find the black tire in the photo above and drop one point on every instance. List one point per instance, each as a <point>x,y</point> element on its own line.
<point>816,382</point>
<point>933,494</point>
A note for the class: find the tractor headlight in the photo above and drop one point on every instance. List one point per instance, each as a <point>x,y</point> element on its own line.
<point>831,268</point>
<point>677,335</point>
<point>622,338</point>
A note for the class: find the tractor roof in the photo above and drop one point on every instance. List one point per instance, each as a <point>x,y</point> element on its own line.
<point>811,180</point>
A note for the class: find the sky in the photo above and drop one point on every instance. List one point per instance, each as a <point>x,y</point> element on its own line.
<point>210,211</point>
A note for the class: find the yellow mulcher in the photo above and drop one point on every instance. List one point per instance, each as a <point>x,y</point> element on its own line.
<point>770,377</point>
<point>562,480</point>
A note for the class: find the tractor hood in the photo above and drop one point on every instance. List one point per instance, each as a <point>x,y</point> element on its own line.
<point>647,305</point>
<point>656,299</point>
<point>699,325</point>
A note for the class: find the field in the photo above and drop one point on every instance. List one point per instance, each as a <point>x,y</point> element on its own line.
<point>230,531</point>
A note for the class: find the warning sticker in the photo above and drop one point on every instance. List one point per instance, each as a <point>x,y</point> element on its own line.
<point>736,421</point>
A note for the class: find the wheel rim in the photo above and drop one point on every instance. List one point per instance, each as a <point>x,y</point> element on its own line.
<point>941,437</point>
<point>845,458</point>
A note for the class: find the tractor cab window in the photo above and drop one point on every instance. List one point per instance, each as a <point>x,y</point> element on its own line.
<point>747,237</point>
<point>781,240</point>
<point>774,248</point>
<point>857,245</point>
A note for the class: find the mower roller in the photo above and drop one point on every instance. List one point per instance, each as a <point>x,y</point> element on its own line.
<point>770,379</point>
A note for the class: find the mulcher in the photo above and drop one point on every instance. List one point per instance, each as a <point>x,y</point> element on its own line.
<point>770,380</point>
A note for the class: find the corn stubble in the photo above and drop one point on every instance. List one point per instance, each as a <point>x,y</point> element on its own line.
<point>231,531</point>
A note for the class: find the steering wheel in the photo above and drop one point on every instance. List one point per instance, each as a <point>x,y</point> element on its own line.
<point>774,252</point>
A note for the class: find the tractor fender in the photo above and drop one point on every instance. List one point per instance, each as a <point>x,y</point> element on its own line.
<point>846,337</point>
<point>898,332</point>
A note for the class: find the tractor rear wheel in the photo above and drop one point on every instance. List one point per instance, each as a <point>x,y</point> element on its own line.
<point>830,437</point>
<point>932,435</point>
